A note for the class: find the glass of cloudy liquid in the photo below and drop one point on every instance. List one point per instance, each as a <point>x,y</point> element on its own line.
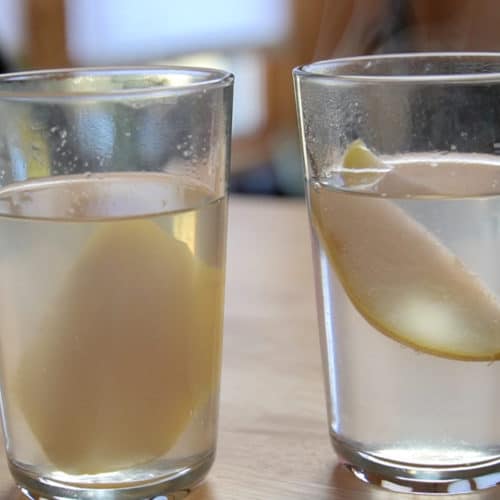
<point>112,254</point>
<point>403,183</point>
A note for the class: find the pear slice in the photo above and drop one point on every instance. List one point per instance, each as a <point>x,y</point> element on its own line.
<point>360,166</point>
<point>402,280</point>
<point>128,353</point>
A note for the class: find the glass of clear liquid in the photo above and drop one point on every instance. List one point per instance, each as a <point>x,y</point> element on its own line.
<point>113,188</point>
<point>403,183</point>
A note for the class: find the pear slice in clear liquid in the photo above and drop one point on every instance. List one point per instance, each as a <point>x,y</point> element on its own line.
<point>360,166</point>
<point>128,353</point>
<point>402,280</point>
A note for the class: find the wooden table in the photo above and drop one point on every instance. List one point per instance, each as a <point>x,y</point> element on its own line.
<point>273,441</point>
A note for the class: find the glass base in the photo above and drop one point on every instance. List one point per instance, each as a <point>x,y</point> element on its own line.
<point>416,478</point>
<point>174,486</point>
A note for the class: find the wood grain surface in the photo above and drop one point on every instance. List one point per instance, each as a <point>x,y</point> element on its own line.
<point>273,439</point>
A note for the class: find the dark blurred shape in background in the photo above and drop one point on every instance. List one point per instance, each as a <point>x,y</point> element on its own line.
<point>258,40</point>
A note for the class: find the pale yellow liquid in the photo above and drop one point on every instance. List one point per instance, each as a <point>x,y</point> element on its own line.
<point>114,290</point>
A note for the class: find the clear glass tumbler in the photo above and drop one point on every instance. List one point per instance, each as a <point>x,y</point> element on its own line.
<point>403,180</point>
<point>113,187</point>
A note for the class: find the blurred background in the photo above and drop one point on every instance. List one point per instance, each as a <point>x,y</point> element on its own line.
<point>260,41</point>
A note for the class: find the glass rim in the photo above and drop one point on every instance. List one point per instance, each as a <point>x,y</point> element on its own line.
<point>208,78</point>
<point>313,70</point>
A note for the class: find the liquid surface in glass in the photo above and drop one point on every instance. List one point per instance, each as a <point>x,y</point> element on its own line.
<point>112,296</point>
<point>409,249</point>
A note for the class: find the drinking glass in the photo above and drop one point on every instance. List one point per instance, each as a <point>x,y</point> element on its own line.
<point>403,186</point>
<point>113,188</point>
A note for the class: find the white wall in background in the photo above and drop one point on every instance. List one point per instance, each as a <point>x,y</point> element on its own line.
<point>12,32</point>
<point>126,31</point>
